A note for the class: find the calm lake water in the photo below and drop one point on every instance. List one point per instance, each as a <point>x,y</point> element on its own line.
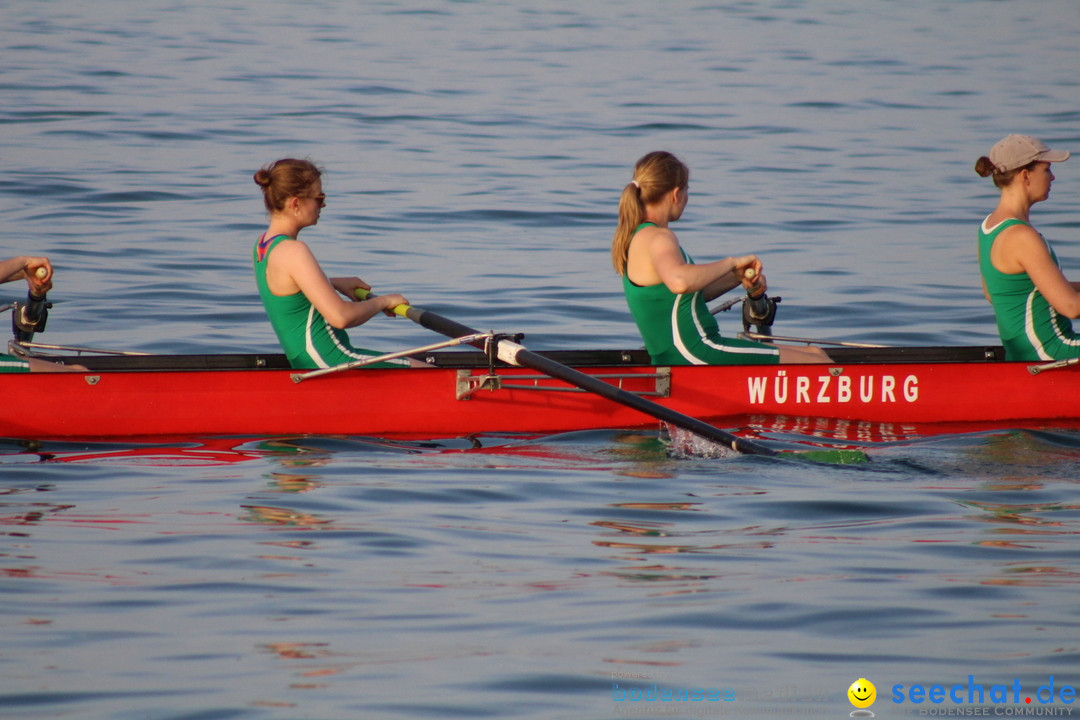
<point>474,154</point>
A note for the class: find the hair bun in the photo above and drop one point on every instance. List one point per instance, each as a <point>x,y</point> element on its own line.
<point>984,167</point>
<point>262,178</point>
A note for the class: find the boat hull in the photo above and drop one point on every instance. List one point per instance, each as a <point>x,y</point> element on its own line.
<point>445,402</point>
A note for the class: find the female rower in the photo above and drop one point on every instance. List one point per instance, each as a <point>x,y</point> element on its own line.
<point>38,273</point>
<point>667,292</point>
<point>1021,275</point>
<point>304,306</point>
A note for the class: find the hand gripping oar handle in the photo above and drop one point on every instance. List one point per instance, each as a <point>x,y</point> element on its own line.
<point>515,354</point>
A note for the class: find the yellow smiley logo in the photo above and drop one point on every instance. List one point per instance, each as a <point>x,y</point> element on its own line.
<point>862,693</point>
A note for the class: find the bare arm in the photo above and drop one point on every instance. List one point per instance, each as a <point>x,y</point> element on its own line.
<point>666,264</point>
<point>24,267</point>
<point>721,285</point>
<point>754,286</point>
<point>1021,249</point>
<point>293,268</point>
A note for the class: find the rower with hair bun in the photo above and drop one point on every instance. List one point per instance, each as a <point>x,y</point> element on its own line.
<point>1021,276</point>
<point>306,309</point>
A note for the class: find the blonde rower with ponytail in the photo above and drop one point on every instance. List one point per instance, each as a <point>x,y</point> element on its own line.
<point>667,292</point>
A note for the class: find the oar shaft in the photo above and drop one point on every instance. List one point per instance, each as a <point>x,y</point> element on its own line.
<point>515,354</point>
<point>586,382</point>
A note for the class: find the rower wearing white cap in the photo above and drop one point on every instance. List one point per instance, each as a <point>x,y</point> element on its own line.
<point>1022,278</point>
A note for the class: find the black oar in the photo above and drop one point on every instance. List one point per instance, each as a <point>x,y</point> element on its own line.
<point>30,318</point>
<point>514,354</point>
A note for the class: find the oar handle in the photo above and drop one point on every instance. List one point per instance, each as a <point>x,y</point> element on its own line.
<point>399,310</point>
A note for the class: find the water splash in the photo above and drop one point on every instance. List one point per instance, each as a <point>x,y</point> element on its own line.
<point>683,443</point>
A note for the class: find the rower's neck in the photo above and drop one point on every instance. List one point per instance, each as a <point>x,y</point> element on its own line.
<point>282,225</point>
<point>656,215</point>
<point>1013,207</point>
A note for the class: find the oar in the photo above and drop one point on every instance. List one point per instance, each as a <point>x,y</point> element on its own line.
<point>30,318</point>
<point>515,354</point>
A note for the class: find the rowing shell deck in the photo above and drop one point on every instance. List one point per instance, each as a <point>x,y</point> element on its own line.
<point>200,395</point>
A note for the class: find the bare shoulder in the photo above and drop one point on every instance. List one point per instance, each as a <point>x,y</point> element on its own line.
<point>657,238</point>
<point>288,245</point>
<point>292,250</point>
<point>654,231</point>
<point>1020,248</point>
<point>1022,238</point>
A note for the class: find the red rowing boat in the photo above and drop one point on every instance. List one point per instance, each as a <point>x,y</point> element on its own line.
<point>467,393</point>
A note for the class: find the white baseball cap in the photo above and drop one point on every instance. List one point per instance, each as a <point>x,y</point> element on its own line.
<point>1016,151</point>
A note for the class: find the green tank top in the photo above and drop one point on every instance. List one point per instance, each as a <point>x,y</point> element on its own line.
<point>680,330</point>
<point>13,364</point>
<point>1029,327</point>
<point>308,340</point>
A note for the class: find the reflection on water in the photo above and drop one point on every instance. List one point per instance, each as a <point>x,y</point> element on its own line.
<point>28,513</point>
<point>283,517</point>
<point>344,558</point>
<point>291,483</point>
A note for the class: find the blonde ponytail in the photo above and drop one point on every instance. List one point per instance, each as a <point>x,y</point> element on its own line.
<point>655,175</point>
<point>631,214</point>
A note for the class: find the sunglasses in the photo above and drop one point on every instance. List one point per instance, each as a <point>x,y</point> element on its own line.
<point>321,199</point>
